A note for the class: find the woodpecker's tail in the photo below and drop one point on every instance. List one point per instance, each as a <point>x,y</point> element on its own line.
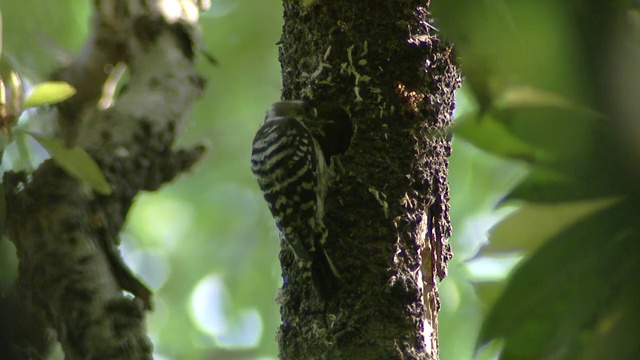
<point>324,274</point>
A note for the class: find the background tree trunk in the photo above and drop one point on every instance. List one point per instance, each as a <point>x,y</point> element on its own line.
<point>71,276</point>
<point>387,211</point>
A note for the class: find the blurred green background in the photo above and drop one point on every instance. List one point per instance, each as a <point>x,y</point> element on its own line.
<point>207,244</point>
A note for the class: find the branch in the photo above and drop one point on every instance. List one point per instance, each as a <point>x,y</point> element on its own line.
<point>66,235</point>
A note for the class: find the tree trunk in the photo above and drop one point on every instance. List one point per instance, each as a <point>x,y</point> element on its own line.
<point>387,211</point>
<point>66,235</point>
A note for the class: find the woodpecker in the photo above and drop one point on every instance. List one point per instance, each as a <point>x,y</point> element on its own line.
<point>292,173</point>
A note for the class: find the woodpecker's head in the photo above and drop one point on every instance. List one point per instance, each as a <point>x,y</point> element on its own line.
<point>296,109</point>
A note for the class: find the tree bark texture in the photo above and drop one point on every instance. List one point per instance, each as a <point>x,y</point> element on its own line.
<point>387,210</point>
<point>66,235</point>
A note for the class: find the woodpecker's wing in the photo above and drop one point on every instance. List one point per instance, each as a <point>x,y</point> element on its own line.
<point>284,160</point>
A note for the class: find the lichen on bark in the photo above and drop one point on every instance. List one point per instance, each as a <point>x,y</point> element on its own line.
<point>388,210</point>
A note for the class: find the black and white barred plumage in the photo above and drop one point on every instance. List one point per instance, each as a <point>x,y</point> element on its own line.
<point>292,173</point>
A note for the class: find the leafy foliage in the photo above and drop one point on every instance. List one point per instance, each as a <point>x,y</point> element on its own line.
<point>538,103</point>
<point>573,292</point>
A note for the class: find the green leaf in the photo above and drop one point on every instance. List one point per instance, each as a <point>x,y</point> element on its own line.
<point>574,291</point>
<point>76,162</point>
<point>490,135</point>
<point>490,351</point>
<point>534,224</point>
<point>546,184</point>
<point>0,34</point>
<point>23,163</point>
<point>49,92</point>
<point>3,210</point>
<point>529,96</point>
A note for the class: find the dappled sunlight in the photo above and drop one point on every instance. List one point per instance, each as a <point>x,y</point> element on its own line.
<point>213,313</point>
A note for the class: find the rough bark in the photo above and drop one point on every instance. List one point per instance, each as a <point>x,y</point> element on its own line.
<point>387,212</point>
<point>70,272</point>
